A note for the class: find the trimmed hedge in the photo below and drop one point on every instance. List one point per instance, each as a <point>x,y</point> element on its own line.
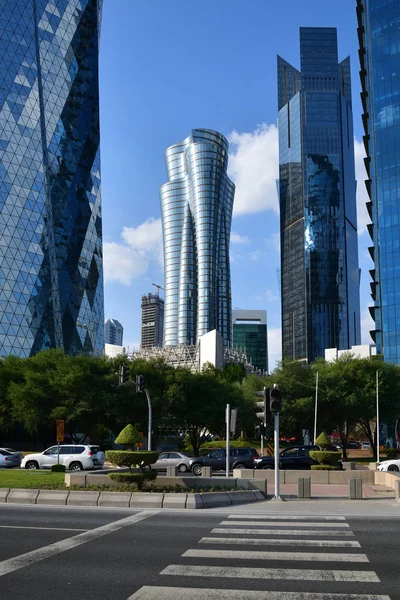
<point>325,457</point>
<point>326,467</point>
<point>139,479</point>
<point>58,468</point>
<point>129,458</point>
<point>323,440</point>
<point>222,444</point>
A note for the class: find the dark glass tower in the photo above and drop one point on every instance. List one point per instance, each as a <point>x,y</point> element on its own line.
<point>379,37</point>
<point>319,261</point>
<point>51,282</point>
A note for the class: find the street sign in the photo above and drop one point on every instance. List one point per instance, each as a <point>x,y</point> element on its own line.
<point>233,419</point>
<point>60,430</point>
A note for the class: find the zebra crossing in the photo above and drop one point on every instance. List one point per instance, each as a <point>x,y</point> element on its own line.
<point>318,547</point>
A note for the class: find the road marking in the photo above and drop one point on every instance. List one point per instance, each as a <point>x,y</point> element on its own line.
<point>306,532</point>
<point>287,524</point>
<point>287,517</point>
<point>182,593</point>
<point>29,558</point>
<point>280,542</point>
<point>41,528</point>
<point>260,555</point>
<point>281,574</point>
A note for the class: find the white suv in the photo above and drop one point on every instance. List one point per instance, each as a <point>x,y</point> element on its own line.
<point>74,457</point>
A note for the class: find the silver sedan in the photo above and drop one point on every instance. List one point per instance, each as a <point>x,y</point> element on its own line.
<point>172,459</point>
<point>9,458</point>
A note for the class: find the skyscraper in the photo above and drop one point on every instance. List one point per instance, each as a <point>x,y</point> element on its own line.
<point>196,210</point>
<point>51,280</point>
<point>319,255</point>
<point>379,36</point>
<point>152,331</point>
<point>113,332</point>
<point>250,335</point>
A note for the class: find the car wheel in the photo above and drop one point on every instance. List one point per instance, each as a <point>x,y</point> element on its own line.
<point>196,469</point>
<point>267,468</point>
<point>75,466</point>
<point>32,464</point>
<point>182,468</point>
<point>393,468</point>
<point>239,466</point>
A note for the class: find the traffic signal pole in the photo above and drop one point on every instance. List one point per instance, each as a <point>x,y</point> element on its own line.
<point>228,438</point>
<point>150,418</point>
<point>276,455</point>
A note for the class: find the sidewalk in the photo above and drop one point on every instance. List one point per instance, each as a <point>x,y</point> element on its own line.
<point>322,491</point>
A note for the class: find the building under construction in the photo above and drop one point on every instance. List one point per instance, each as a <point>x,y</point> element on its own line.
<point>152,329</point>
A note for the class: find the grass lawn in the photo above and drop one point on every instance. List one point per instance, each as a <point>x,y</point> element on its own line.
<point>19,478</point>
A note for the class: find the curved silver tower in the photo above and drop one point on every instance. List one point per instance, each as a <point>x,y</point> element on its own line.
<point>196,210</point>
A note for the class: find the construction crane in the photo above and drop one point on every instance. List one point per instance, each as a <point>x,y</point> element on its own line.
<point>159,287</point>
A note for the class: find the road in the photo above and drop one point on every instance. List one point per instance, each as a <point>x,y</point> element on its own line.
<point>49,553</point>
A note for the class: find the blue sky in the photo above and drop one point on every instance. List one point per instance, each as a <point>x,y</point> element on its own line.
<point>167,66</point>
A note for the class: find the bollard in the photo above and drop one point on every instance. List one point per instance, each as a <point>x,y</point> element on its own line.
<point>205,471</point>
<point>397,489</point>
<point>171,471</point>
<point>349,466</point>
<point>304,487</point>
<point>355,488</point>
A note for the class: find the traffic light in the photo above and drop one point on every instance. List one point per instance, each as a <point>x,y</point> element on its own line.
<point>139,383</point>
<point>275,399</point>
<point>265,415</point>
<point>123,374</point>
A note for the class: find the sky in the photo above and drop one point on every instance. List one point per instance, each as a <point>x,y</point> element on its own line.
<point>168,66</point>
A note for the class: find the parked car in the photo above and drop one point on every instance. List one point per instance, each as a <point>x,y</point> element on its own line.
<point>366,446</point>
<point>172,459</point>
<point>293,457</point>
<point>8,460</point>
<point>389,465</point>
<point>75,457</point>
<point>16,453</point>
<point>239,458</point>
<point>353,445</point>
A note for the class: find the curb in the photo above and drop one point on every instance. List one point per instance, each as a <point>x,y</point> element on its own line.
<point>128,499</point>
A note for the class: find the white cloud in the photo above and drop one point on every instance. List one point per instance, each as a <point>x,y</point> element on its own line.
<point>274,347</point>
<point>362,196</point>
<point>270,297</point>
<point>130,260</point>
<point>236,238</point>
<point>256,255</point>
<point>253,166</point>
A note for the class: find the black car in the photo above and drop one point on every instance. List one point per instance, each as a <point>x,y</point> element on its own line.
<point>293,457</point>
<point>240,458</point>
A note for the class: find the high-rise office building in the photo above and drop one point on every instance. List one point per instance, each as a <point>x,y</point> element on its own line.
<point>379,37</point>
<point>113,332</point>
<point>319,256</point>
<point>51,279</point>
<point>196,209</point>
<point>152,329</point>
<point>250,335</point>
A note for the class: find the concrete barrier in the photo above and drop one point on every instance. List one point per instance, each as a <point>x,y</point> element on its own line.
<point>201,482</point>
<point>3,495</point>
<point>349,466</point>
<point>83,498</point>
<point>397,489</point>
<point>194,501</point>
<point>355,488</point>
<point>241,497</point>
<point>52,497</point>
<point>100,479</point>
<point>171,471</point>
<point>114,499</point>
<point>75,479</point>
<point>372,466</point>
<point>17,496</point>
<point>146,500</point>
<point>304,487</point>
<point>205,472</point>
<point>211,499</point>
<point>260,485</point>
<point>243,473</point>
<point>258,495</point>
<point>175,500</point>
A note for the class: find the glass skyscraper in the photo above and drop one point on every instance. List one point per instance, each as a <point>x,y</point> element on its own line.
<point>250,336</point>
<point>196,210</point>
<point>379,37</point>
<point>319,255</point>
<point>51,279</point>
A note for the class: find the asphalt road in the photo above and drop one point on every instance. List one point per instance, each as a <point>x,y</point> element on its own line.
<point>97,554</point>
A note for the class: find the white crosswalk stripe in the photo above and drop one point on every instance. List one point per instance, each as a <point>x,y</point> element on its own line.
<point>280,542</point>
<point>309,537</point>
<point>259,555</point>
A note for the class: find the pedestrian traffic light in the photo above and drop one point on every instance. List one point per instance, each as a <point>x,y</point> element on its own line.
<point>265,414</point>
<point>123,374</point>
<point>139,383</point>
<point>275,399</point>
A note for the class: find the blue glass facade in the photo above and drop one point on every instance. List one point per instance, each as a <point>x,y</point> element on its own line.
<point>319,254</point>
<point>379,37</point>
<point>51,279</point>
<point>196,211</point>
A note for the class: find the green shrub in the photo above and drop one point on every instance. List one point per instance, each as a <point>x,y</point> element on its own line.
<point>58,468</point>
<point>323,441</point>
<point>326,467</point>
<point>325,457</point>
<point>129,437</point>
<point>131,458</point>
<point>222,444</point>
<point>139,479</point>
<point>392,453</point>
